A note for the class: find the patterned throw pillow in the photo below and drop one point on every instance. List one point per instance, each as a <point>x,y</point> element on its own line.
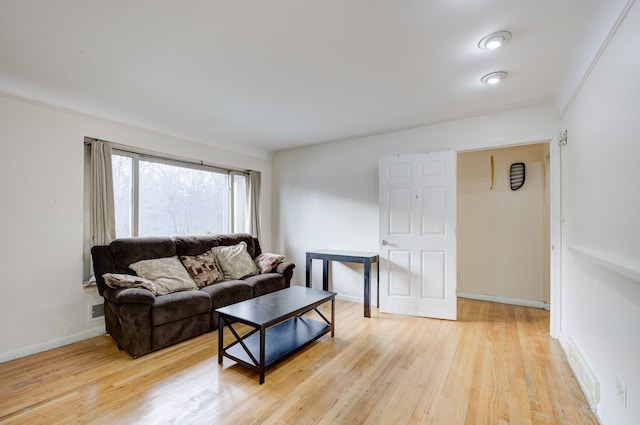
<point>235,261</point>
<point>203,268</point>
<point>168,274</point>
<point>266,261</point>
<point>118,281</point>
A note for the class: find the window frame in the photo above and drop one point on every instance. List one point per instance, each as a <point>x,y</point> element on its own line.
<point>166,160</point>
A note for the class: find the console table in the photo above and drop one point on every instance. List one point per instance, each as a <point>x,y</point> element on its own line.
<point>366,258</point>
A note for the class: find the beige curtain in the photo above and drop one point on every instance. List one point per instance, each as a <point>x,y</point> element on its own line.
<point>253,203</point>
<point>103,222</point>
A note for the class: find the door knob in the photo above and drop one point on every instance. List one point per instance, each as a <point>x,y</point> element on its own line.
<point>384,242</point>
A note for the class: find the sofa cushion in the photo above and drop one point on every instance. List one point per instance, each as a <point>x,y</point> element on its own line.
<point>173,332</point>
<point>179,305</point>
<point>203,268</point>
<point>118,281</point>
<point>168,274</point>
<point>266,262</point>
<point>265,283</point>
<point>228,292</point>
<point>235,261</point>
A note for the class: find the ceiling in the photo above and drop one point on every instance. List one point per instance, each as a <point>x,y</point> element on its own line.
<point>264,75</point>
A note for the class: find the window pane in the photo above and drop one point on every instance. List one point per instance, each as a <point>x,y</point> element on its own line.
<point>181,201</point>
<point>240,224</point>
<point>122,167</point>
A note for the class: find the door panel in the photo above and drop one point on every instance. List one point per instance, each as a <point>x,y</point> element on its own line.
<point>400,211</point>
<point>399,273</point>
<point>432,210</point>
<point>433,274</point>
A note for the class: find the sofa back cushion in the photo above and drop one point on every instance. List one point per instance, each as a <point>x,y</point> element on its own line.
<point>196,245</point>
<point>127,251</point>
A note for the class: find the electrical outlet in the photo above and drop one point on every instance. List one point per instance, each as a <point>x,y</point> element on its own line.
<point>621,391</point>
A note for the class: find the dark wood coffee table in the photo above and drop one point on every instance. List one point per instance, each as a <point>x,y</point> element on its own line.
<point>278,326</point>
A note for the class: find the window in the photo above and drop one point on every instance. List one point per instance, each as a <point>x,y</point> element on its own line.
<point>156,196</point>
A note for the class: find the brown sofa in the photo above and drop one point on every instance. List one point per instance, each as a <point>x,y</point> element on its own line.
<point>141,322</point>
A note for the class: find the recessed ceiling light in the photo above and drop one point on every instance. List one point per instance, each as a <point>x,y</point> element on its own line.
<point>494,77</point>
<point>495,40</point>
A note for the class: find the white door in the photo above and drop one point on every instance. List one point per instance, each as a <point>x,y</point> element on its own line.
<point>418,235</point>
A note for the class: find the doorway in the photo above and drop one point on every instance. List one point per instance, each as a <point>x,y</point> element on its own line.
<point>503,234</point>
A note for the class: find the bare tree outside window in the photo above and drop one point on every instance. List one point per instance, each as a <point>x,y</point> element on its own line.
<point>180,201</point>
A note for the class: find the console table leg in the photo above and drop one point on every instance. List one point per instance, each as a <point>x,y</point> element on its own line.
<point>378,283</point>
<point>367,291</point>
<point>325,275</point>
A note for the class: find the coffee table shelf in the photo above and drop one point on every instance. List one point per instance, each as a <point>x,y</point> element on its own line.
<point>281,340</point>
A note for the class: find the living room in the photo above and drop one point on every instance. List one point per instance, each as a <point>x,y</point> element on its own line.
<point>326,195</point>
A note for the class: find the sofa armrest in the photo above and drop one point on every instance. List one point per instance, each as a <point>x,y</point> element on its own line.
<point>285,267</point>
<point>129,296</point>
<point>286,270</point>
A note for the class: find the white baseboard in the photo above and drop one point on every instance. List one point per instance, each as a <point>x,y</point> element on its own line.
<point>583,373</point>
<point>504,300</point>
<point>602,417</point>
<point>481,297</point>
<point>48,345</point>
<point>352,299</point>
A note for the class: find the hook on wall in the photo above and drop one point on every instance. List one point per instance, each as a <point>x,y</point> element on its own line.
<point>492,172</point>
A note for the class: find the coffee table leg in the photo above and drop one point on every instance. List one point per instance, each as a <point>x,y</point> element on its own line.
<point>333,316</point>
<point>220,338</point>
<point>262,355</point>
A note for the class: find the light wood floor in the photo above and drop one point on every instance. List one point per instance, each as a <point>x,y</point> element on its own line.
<point>495,365</point>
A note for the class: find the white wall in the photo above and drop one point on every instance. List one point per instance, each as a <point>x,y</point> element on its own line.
<point>326,196</point>
<point>601,203</point>
<point>500,231</point>
<point>43,304</point>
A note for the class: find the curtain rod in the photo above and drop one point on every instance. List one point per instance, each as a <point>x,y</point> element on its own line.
<point>158,156</point>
